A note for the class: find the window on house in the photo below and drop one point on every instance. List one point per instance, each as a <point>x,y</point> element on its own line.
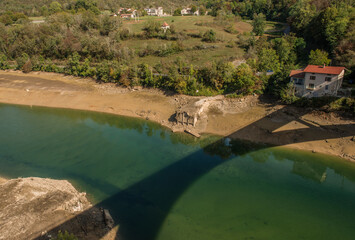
<point>312,77</point>
<point>326,87</point>
<point>311,86</point>
<point>328,79</point>
<point>298,81</point>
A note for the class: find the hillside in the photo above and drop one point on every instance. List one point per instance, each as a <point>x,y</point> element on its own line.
<point>35,8</point>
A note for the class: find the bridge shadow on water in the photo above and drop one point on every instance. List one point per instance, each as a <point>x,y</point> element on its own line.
<point>143,207</point>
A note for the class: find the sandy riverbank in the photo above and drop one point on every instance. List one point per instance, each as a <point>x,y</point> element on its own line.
<point>2,180</point>
<point>249,118</point>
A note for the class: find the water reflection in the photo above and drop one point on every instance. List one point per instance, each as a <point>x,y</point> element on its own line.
<point>311,170</point>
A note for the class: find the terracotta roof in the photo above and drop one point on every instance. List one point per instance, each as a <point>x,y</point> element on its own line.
<point>297,74</point>
<point>324,69</point>
<point>165,24</point>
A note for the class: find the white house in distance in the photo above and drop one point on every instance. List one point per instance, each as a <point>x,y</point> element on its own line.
<point>127,13</point>
<point>155,11</point>
<point>317,81</point>
<point>187,11</point>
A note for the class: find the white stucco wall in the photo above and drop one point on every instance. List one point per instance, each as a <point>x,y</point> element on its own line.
<point>321,87</point>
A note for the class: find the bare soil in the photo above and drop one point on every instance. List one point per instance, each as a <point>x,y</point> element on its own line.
<point>246,118</point>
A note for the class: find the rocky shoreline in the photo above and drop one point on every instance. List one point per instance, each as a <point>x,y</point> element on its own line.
<point>38,208</point>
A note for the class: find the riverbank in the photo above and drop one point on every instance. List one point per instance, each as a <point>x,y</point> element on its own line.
<point>32,208</point>
<point>247,118</point>
<point>2,180</point>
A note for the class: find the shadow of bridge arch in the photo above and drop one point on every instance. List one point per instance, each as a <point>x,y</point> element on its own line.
<point>152,198</point>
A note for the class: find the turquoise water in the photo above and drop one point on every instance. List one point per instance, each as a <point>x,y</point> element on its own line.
<point>161,185</point>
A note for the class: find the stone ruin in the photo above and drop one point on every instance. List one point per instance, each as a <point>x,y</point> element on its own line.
<point>186,116</point>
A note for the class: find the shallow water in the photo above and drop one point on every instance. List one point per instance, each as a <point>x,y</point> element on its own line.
<point>162,185</point>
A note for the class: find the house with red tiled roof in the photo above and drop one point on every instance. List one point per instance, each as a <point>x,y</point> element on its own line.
<point>317,81</point>
<point>165,27</point>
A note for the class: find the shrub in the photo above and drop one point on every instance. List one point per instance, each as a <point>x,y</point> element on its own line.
<point>151,28</point>
<point>65,236</point>
<point>27,67</point>
<point>3,62</point>
<point>20,61</point>
<point>230,29</point>
<point>209,36</point>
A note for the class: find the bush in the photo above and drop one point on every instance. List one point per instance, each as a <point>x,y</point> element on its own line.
<point>3,62</point>
<point>20,61</point>
<point>151,28</point>
<point>230,29</point>
<point>287,94</point>
<point>343,104</point>
<point>27,67</point>
<point>65,236</point>
<point>209,36</point>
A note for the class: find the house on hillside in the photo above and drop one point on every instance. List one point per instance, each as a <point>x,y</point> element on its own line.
<point>127,13</point>
<point>155,11</point>
<point>188,11</point>
<point>317,81</point>
<point>127,16</point>
<point>165,27</point>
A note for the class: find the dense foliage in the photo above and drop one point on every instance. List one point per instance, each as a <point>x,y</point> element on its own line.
<point>77,38</point>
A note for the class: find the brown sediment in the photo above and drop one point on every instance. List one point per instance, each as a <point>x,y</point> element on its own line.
<point>2,180</point>
<point>246,118</point>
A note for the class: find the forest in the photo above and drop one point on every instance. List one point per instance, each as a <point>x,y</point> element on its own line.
<point>81,38</point>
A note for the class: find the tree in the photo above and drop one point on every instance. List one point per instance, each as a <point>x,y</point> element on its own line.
<point>108,25</point>
<point>151,28</point>
<point>301,14</point>
<point>244,78</point>
<point>268,60</point>
<point>55,7</point>
<point>6,19</point>
<point>44,11</point>
<point>283,49</point>
<point>87,5</point>
<point>318,57</point>
<point>259,24</point>
<point>209,36</point>
<point>202,10</point>
<point>3,62</point>
<point>335,23</point>
<point>193,9</point>
<point>177,12</point>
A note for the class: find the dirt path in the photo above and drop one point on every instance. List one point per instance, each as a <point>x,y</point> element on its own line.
<point>246,118</point>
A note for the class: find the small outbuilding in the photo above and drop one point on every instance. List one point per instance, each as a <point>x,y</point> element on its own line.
<point>165,27</point>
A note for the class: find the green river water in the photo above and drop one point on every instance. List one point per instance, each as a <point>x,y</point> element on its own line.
<point>163,185</point>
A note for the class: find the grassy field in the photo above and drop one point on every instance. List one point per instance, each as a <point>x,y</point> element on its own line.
<point>190,25</point>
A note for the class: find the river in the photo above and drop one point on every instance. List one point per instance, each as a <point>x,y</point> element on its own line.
<point>163,185</point>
